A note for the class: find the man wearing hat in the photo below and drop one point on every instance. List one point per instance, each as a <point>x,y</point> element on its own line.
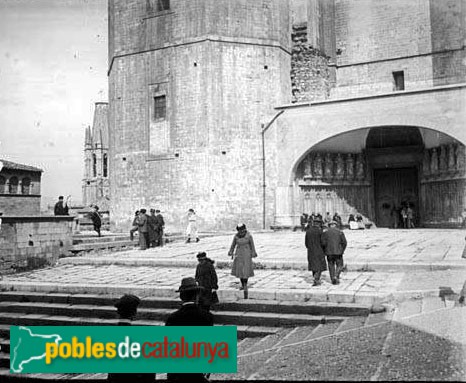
<point>127,308</point>
<point>189,314</point>
<point>334,245</point>
<point>206,276</point>
<point>315,253</point>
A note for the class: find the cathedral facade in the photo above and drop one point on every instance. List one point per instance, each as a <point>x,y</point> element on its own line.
<point>258,111</point>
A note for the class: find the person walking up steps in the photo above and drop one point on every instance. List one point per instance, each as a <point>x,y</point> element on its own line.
<point>315,253</point>
<point>334,244</point>
<point>242,267</point>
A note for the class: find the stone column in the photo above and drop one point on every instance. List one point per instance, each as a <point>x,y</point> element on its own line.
<point>340,167</point>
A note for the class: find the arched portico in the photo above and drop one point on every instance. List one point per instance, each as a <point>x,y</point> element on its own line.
<point>305,130</point>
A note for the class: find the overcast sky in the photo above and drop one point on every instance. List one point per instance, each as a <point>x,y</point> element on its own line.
<point>53,68</point>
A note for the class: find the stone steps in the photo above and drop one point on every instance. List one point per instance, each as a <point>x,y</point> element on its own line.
<point>261,325</point>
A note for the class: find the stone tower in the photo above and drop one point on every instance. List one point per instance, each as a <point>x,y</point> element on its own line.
<point>95,182</point>
<point>190,83</point>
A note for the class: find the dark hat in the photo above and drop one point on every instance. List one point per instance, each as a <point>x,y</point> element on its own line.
<point>128,302</point>
<point>157,210</point>
<point>143,211</point>
<point>137,212</point>
<point>191,210</point>
<point>241,226</point>
<point>60,197</point>
<point>152,210</point>
<point>201,255</point>
<point>188,284</point>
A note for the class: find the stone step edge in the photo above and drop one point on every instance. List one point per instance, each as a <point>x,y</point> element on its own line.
<point>350,266</point>
<point>298,295</point>
<point>248,305</point>
<point>17,308</point>
<point>242,330</point>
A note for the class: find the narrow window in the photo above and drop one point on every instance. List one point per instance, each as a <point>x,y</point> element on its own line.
<point>160,108</point>
<point>163,5</point>
<point>105,165</point>
<point>13,188</point>
<point>25,186</point>
<point>2,184</point>
<point>399,80</point>
<point>94,165</point>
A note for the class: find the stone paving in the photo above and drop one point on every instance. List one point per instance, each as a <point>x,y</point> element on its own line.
<point>376,248</point>
<point>412,260</point>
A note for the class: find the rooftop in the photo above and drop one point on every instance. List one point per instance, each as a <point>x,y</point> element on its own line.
<point>15,166</point>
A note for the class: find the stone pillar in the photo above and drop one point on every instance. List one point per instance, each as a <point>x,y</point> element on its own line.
<point>283,215</point>
<point>443,159</point>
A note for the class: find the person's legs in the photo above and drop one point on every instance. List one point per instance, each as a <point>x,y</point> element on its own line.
<point>316,275</point>
<point>131,232</point>
<point>331,268</point>
<point>339,266</point>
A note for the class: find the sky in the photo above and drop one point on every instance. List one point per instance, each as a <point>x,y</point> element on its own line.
<point>53,68</point>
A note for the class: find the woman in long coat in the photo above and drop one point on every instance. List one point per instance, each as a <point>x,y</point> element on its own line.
<point>242,258</point>
<point>315,253</point>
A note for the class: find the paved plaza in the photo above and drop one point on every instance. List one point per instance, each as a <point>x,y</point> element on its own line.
<point>382,265</point>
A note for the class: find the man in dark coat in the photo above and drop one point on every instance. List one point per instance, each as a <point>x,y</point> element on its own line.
<point>334,245</point>
<point>127,307</point>
<point>206,277</point>
<point>159,227</point>
<point>190,314</point>
<point>152,228</point>
<point>94,215</point>
<point>315,253</point>
<point>143,229</point>
<point>61,207</point>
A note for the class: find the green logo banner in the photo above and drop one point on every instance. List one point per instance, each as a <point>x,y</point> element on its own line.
<point>129,349</point>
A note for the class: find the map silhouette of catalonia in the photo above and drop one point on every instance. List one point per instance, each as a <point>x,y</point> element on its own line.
<point>30,347</point>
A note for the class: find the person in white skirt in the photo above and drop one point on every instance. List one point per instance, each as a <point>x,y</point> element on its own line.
<point>191,230</point>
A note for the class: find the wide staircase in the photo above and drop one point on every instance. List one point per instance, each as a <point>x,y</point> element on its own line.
<point>262,325</point>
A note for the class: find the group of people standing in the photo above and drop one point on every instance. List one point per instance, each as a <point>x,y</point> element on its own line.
<point>322,243</point>
<point>150,228</point>
<point>307,221</point>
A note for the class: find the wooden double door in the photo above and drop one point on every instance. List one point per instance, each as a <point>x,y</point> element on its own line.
<point>394,188</point>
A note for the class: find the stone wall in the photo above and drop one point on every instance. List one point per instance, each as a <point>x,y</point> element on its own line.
<point>18,204</point>
<point>222,74</point>
<point>424,39</point>
<point>311,76</point>
<point>31,242</point>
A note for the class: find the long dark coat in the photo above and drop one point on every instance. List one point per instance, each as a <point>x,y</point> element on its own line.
<point>206,277</point>
<point>152,228</point>
<point>315,253</point>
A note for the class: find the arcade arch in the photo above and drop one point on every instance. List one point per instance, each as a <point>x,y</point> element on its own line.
<point>376,171</point>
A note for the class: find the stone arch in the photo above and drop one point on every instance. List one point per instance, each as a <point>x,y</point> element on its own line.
<point>353,128</point>
<point>431,164</point>
<point>13,185</point>
<point>26,186</point>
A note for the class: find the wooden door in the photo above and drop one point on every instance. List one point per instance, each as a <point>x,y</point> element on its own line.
<point>393,188</point>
